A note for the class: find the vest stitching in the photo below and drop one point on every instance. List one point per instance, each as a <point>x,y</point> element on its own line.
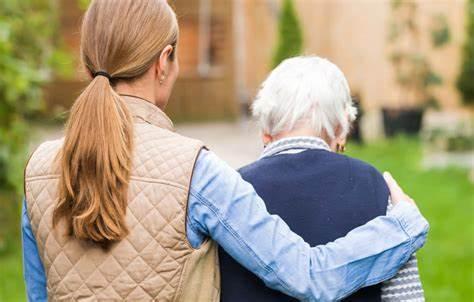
<point>187,201</point>
<point>177,168</point>
<point>134,178</point>
<point>157,181</point>
<point>41,177</point>
<point>124,269</point>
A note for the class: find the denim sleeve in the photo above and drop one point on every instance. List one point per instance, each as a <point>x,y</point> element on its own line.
<point>227,209</point>
<point>33,271</point>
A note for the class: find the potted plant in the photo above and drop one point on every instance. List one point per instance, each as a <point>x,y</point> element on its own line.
<point>413,71</point>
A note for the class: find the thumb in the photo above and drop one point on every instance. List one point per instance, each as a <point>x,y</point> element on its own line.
<point>396,192</point>
<point>391,182</point>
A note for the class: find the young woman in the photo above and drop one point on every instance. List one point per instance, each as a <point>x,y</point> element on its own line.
<point>123,208</point>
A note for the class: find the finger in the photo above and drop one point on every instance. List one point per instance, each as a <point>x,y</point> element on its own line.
<point>396,192</point>
<point>392,184</point>
<point>388,177</point>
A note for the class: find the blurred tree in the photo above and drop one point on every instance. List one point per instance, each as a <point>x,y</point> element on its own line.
<point>466,78</point>
<point>290,37</point>
<point>27,57</point>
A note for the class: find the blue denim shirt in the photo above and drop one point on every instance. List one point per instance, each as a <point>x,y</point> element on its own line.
<point>225,208</point>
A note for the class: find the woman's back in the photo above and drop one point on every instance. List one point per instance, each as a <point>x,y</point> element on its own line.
<point>149,263</point>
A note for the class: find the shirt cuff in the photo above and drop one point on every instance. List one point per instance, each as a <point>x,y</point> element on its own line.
<point>412,222</point>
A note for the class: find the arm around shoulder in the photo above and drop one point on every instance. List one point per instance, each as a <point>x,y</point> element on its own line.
<point>227,209</point>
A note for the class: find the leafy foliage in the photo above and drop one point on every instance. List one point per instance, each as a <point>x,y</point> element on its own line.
<point>440,34</point>
<point>466,78</point>
<point>27,52</point>
<point>25,61</point>
<point>83,4</point>
<point>414,73</point>
<point>290,37</point>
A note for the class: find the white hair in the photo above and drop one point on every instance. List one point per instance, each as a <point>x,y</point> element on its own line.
<point>308,91</point>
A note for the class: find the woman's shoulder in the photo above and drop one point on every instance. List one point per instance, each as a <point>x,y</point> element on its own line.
<point>40,161</point>
<point>149,136</point>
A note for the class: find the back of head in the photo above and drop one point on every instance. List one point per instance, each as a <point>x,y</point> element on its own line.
<point>305,90</point>
<point>120,41</point>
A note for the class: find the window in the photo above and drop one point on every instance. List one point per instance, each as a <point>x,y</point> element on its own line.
<point>202,41</point>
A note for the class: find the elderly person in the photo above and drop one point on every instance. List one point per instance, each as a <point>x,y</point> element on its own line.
<point>304,109</point>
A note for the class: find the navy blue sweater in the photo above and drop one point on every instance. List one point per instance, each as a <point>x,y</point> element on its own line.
<point>322,196</point>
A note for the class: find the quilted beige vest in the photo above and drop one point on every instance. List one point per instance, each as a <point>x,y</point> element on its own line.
<point>154,262</point>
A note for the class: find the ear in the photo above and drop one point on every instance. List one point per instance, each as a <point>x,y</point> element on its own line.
<point>341,137</point>
<point>266,139</point>
<point>164,61</point>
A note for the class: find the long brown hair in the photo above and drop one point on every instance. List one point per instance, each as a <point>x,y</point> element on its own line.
<point>121,38</point>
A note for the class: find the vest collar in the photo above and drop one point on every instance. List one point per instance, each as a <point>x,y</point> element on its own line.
<point>294,145</point>
<point>146,111</point>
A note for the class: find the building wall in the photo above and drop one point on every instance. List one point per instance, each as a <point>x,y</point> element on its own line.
<point>353,35</point>
<point>196,95</point>
<point>206,95</point>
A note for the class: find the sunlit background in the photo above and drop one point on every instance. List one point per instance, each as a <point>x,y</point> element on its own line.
<point>410,65</point>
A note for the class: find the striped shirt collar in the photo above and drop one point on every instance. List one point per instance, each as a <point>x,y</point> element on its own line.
<point>295,144</point>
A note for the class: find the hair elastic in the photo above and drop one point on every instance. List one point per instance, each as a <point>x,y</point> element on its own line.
<point>102,73</point>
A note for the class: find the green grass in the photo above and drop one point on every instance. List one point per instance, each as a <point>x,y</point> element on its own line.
<point>446,198</point>
<point>11,279</point>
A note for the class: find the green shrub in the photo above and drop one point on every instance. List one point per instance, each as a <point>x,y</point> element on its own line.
<point>290,38</point>
<point>466,78</point>
<point>28,34</point>
<point>413,70</point>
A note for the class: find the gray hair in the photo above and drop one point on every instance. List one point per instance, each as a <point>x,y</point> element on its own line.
<point>305,90</point>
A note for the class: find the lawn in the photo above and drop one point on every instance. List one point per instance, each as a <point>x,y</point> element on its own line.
<point>446,197</point>
<point>11,282</point>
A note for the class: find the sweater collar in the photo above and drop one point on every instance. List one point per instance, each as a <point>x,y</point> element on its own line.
<point>294,145</point>
<point>146,111</point>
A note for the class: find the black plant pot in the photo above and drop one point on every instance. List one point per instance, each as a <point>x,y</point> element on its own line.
<point>407,121</point>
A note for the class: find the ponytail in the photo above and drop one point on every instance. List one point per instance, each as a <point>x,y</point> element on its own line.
<point>95,164</point>
<point>120,40</point>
